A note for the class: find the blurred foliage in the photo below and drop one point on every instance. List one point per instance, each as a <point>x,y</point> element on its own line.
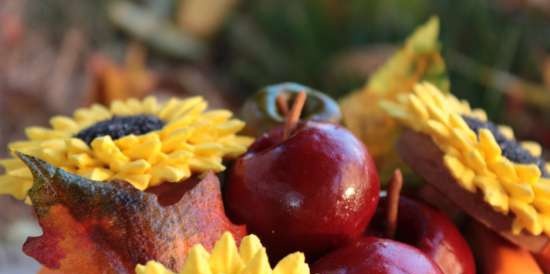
<point>307,35</point>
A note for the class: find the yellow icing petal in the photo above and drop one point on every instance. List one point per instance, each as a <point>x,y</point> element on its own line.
<point>56,157</point>
<point>218,116</point>
<point>424,95</point>
<point>177,140</point>
<point>150,105</point>
<point>479,114</point>
<point>100,112</point>
<point>22,172</point>
<point>63,123</point>
<point>456,121</point>
<point>153,267</point>
<point>40,133</point>
<point>204,164</point>
<point>82,160</point>
<point>534,148</point>
<point>438,114</point>
<point>507,131</point>
<point>146,151</point>
<point>489,145</point>
<point>106,151</point>
<point>475,160</point>
<point>11,164</point>
<point>504,170</point>
<point>460,139</point>
<point>292,264</point>
<point>168,174</point>
<point>139,181</point>
<point>120,108</point>
<point>463,174</point>
<point>136,167</point>
<point>192,110</point>
<point>545,219</point>
<point>528,173</point>
<point>128,142</point>
<point>258,265</point>
<point>96,173</point>
<point>230,127</point>
<point>438,129</point>
<point>493,193</point>
<point>418,107</point>
<point>197,261</point>
<point>520,191</point>
<point>75,145</point>
<point>542,204</point>
<point>250,245</point>
<point>14,186</point>
<point>135,106</point>
<point>225,257</point>
<point>528,217</point>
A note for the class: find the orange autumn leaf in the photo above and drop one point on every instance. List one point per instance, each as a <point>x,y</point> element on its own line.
<point>111,81</point>
<point>98,227</point>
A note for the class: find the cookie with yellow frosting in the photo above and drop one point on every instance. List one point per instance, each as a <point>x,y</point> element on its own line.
<point>482,158</point>
<point>142,142</point>
<point>249,258</point>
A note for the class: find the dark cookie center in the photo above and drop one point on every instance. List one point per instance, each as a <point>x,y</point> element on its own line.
<point>511,149</point>
<point>120,126</point>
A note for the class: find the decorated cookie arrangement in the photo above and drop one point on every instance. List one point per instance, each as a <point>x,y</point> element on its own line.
<point>291,186</point>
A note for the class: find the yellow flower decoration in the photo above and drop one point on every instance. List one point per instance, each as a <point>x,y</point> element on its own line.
<point>249,258</point>
<point>189,140</point>
<point>475,159</point>
<point>419,59</point>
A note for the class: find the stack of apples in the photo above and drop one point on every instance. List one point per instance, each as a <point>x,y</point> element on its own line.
<point>312,186</point>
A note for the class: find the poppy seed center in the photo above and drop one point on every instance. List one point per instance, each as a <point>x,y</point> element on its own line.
<point>511,149</point>
<point>120,126</point>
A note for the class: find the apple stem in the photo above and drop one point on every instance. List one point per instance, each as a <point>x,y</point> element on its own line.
<point>394,190</point>
<point>293,116</point>
<point>282,104</point>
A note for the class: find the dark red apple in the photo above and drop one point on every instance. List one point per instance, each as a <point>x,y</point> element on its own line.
<point>313,191</point>
<point>430,231</point>
<point>376,256</point>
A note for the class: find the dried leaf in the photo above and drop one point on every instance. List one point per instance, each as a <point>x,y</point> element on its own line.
<point>96,227</point>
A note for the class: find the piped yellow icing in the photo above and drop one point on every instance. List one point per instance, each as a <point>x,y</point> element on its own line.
<point>226,258</point>
<point>476,160</point>
<point>193,140</point>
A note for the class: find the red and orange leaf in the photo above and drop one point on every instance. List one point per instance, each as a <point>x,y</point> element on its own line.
<point>96,227</point>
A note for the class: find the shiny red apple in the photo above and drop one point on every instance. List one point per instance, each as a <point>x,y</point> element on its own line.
<point>430,231</point>
<point>313,191</point>
<point>376,256</point>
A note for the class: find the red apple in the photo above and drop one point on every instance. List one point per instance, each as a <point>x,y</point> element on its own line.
<point>376,256</point>
<point>430,231</point>
<point>313,191</point>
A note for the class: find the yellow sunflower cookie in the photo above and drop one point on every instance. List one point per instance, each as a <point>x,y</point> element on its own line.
<point>511,175</point>
<point>226,258</point>
<point>142,142</point>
